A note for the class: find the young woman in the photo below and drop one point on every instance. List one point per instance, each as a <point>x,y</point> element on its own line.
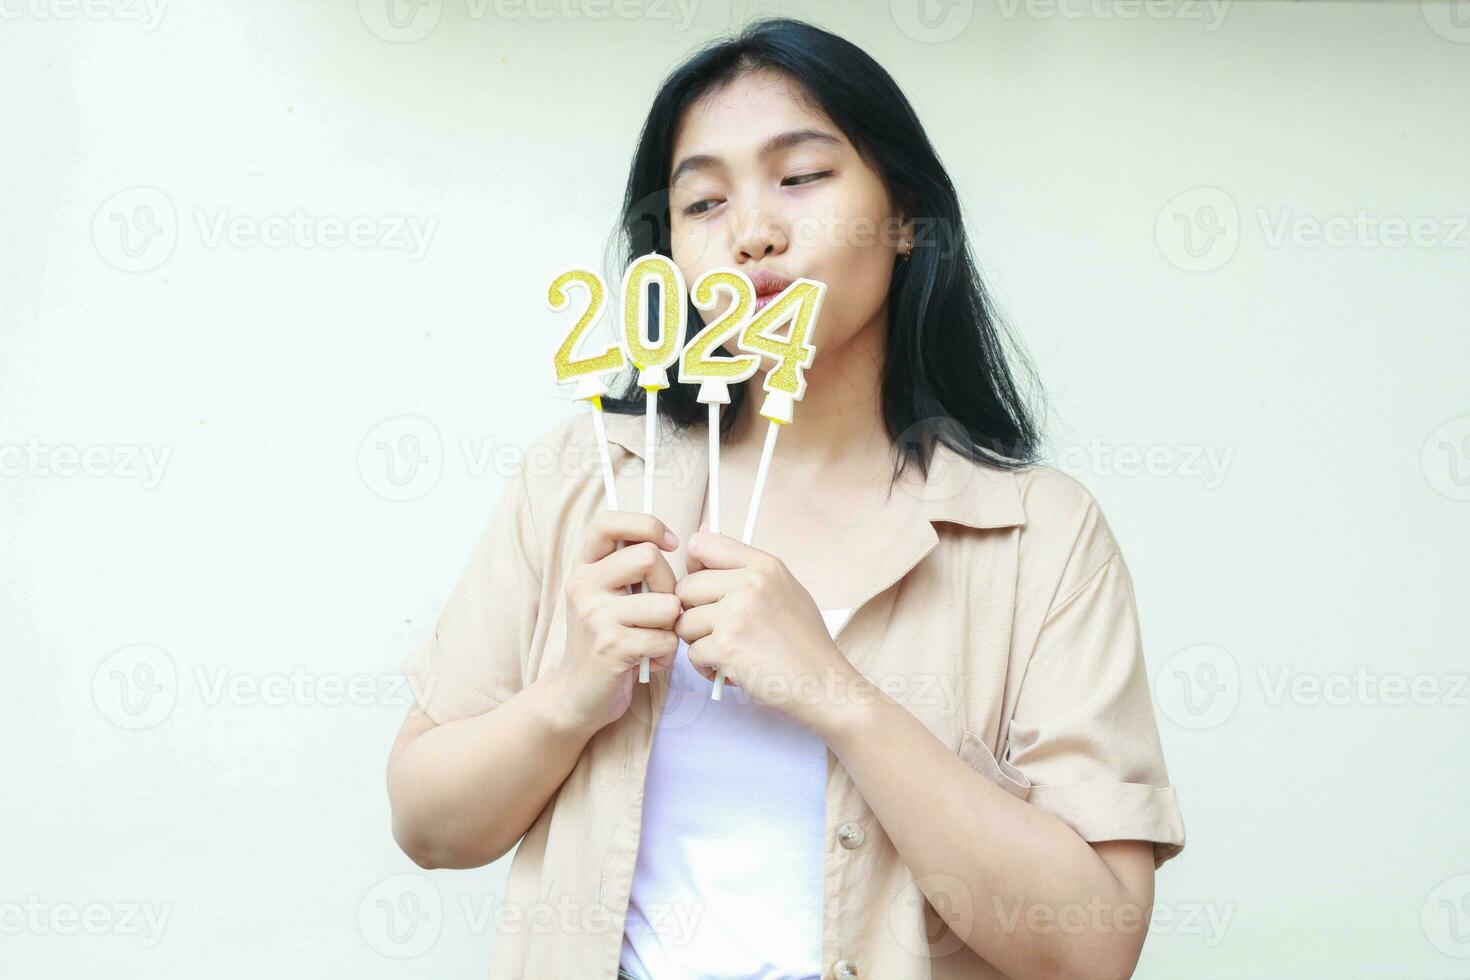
<point>936,756</point>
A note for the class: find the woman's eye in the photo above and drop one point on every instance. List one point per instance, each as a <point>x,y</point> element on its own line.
<point>701,207</point>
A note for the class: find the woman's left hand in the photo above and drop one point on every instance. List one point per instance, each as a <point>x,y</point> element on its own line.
<point>746,613</point>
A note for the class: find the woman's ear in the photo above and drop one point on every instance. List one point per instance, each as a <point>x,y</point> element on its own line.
<point>905,222</point>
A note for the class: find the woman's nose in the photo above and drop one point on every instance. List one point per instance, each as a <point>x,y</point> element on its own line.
<point>760,234</point>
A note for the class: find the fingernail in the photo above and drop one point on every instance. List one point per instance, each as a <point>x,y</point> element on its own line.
<point>672,541</point>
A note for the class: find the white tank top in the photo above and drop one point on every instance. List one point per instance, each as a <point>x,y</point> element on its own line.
<point>729,876</point>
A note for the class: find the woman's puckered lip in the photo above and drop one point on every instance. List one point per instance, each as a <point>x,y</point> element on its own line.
<point>768,283</point>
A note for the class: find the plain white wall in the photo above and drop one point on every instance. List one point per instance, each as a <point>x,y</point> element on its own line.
<point>1233,237</point>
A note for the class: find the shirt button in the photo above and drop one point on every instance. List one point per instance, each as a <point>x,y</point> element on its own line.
<point>844,970</point>
<point>849,835</point>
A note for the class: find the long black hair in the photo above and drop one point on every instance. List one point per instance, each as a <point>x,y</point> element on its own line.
<point>946,374</point>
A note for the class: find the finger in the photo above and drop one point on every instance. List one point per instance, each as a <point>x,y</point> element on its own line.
<point>690,563</point>
<point>655,610</point>
<point>709,550</point>
<point>695,624</point>
<point>611,526</point>
<point>638,642</point>
<point>707,585</point>
<point>704,660</point>
<point>642,562</point>
<point>664,662</point>
<point>697,653</point>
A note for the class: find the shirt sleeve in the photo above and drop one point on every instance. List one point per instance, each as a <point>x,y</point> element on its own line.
<point>1083,730</point>
<point>476,657</point>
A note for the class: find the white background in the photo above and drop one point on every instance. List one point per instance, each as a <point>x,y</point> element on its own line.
<point>281,540</point>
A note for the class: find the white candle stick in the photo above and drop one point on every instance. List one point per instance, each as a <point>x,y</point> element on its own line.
<point>747,536</point>
<point>652,359</point>
<point>650,452</point>
<point>714,466</point>
<point>609,487</point>
<point>767,451</point>
<point>801,304</point>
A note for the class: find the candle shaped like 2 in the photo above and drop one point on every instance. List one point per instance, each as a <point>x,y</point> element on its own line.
<point>587,371</point>
<point>716,372</point>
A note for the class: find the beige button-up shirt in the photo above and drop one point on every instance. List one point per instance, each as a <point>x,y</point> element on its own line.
<point>1002,616</point>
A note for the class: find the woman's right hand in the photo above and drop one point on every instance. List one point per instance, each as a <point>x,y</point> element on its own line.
<point>609,630</point>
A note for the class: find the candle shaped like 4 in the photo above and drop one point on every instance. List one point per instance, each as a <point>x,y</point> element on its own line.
<point>800,304</point>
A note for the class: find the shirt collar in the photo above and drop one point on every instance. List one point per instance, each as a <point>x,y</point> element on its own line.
<point>956,489</point>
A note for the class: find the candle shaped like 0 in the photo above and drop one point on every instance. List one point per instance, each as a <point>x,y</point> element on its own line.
<point>587,371</point>
<point>716,372</point>
<point>801,304</point>
<point>652,359</point>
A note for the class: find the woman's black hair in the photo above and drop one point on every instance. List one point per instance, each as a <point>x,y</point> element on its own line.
<point>945,374</point>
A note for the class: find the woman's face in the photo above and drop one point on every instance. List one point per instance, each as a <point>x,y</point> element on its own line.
<point>764,182</point>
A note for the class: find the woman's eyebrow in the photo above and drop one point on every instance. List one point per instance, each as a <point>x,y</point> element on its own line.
<point>777,143</point>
